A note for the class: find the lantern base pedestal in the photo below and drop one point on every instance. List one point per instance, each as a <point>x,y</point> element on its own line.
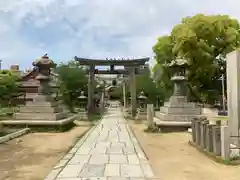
<point>83,115</point>
<point>141,114</point>
<point>178,110</point>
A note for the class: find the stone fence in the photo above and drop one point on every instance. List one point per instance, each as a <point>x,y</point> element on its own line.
<point>210,137</point>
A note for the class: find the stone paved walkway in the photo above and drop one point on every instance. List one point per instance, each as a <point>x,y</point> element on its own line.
<point>109,151</point>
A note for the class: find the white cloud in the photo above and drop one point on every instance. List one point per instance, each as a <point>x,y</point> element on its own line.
<point>92,28</point>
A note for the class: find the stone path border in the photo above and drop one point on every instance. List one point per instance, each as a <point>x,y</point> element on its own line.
<point>19,133</point>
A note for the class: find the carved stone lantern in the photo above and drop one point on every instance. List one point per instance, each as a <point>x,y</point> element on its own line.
<point>82,101</point>
<point>142,100</point>
<point>83,106</point>
<point>179,67</point>
<point>141,112</point>
<point>44,66</point>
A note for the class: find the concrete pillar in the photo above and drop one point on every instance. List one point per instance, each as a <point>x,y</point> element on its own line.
<point>225,145</point>
<point>203,129</point>
<point>216,140</point>
<point>193,124</point>
<point>198,132</point>
<point>133,92</point>
<point>150,114</point>
<point>124,95</point>
<point>91,89</point>
<point>209,140</point>
<point>233,94</point>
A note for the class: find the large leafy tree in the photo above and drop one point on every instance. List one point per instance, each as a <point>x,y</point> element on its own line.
<point>204,41</point>
<point>72,80</point>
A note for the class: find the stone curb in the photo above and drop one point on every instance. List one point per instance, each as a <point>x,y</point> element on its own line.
<point>14,135</point>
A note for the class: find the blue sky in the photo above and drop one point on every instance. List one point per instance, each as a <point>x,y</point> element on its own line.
<point>92,28</point>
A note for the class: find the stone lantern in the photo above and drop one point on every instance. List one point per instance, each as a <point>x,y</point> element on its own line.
<point>142,100</point>
<point>179,79</point>
<point>83,106</point>
<point>44,66</point>
<point>141,112</point>
<point>82,101</point>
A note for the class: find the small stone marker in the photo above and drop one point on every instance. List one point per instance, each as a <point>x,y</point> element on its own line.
<point>225,145</point>
<point>198,133</point>
<point>150,114</point>
<point>209,140</point>
<point>193,125</point>
<point>203,129</point>
<point>216,130</point>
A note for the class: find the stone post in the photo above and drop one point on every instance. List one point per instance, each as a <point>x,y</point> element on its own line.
<point>198,132</point>
<point>133,92</point>
<point>91,89</point>
<point>233,95</point>
<point>225,145</point>
<point>193,124</point>
<point>150,114</point>
<point>209,140</point>
<point>216,135</point>
<point>203,129</point>
<point>124,95</point>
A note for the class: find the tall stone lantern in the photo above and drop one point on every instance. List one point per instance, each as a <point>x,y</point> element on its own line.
<point>141,112</point>
<point>178,109</point>
<point>142,100</point>
<point>44,65</point>
<point>83,106</point>
<point>179,79</point>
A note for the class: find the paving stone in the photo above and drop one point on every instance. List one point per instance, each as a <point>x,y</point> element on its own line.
<point>98,150</point>
<point>79,158</point>
<point>68,179</point>
<point>147,170</point>
<point>95,178</point>
<point>118,145</point>
<point>99,159</point>
<point>53,174</point>
<point>85,150</point>
<point>73,150</point>
<point>112,170</point>
<point>131,171</point>
<point>133,159</point>
<point>71,171</point>
<point>129,150</point>
<point>117,178</point>
<point>103,144</point>
<point>114,150</point>
<point>61,163</point>
<point>67,156</point>
<point>118,159</point>
<point>93,170</point>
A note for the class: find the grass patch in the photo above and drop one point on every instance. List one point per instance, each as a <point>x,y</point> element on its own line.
<point>233,162</point>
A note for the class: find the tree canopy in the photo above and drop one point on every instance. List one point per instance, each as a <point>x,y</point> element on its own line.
<point>8,85</point>
<point>72,80</point>
<point>204,41</point>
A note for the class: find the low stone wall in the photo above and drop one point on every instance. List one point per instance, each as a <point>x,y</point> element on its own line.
<point>14,135</point>
<point>213,138</point>
<point>207,136</point>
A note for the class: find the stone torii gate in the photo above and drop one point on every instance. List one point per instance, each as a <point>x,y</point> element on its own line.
<point>131,68</point>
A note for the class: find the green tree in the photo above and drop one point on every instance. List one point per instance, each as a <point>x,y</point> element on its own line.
<point>8,85</point>
<point>72,81</point>
<point>204,41</point>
